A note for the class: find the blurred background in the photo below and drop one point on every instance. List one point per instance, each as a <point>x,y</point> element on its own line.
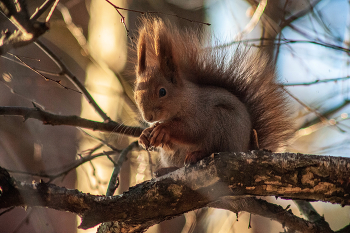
<point>308,40</point>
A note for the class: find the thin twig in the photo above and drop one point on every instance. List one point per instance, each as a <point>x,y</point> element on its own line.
<point>39,11</point>
<point>112,160</point>
<point>78,34</point>
<point>150,163</point>
<point>299,14</point>
<point>69,75</point>
<point>113,181</point>
<point>319,42</point>
<point>284,42</point>
<point>122,18</point>
<point>280,34</point>
<point>316,81</point>
<point>320,116</point>
<point>103,142</point>
<point>58,82</point>
<point>76,31</point>
<point>21,64</point>
<point>327,114</point>
<point>254,20</point>
<point>22,96</point>
<point>156,12</point>
<point>7,210</point>
<point>68,168</point>
<point>48,17</point>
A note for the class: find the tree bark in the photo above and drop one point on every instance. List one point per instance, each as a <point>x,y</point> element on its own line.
<point>229,175</point>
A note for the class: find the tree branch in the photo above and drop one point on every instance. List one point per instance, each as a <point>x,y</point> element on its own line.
<point>271,211</point>
<point>39,11</point>
<point>53,174</point>
<point>229,175</point>
<point>28,30</point>
<point>52,119</point>
<point>113,181</point>
<point>71,77</point>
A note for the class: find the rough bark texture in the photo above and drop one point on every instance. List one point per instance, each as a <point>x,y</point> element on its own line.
<point>257,173</point>
<point>295,176</point>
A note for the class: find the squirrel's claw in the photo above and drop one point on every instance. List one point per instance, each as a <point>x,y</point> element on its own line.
<point>143,141</point>
<point>144,138</point>
<point>159,136</point>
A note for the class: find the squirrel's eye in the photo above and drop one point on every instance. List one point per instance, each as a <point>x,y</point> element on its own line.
<point>162,92</point>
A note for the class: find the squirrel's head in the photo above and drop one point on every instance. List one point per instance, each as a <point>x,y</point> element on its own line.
<point>158,84</point>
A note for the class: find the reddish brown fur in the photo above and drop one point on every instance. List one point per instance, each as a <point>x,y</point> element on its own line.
<point>211,104</point>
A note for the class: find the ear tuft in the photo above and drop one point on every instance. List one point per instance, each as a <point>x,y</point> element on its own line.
<point>141,53</point>
<point>164,51</point>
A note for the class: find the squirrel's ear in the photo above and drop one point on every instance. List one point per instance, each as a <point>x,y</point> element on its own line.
<point>164,52</point>
<point>141,54</point>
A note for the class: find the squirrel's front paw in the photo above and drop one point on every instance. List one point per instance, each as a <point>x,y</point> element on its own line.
<point>159,136</point>
<point>144,138</point>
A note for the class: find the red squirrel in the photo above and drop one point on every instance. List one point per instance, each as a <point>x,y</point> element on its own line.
<point>203,100</point>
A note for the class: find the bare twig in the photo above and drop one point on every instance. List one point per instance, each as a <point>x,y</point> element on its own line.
<point>284,42</point>
<point>7,210</point>
<point>317,81</point>
<point>69,75</point>
<point>55,174</point>
<point>76,31</point>
<point>58,82</point>
<point>102,141</point>
<point>299,14</point>
<point>122,18</point>
<point>150,162</point>
<point>53,119</point>
<point>28,31</point>
<point>41,71</point>
<point>39,11</point>
<point>22,96</point>
<point>113,181</point>
<point>156,12</point>
<point>48,17</point>
<point>313,41</point>
<point>319,115</point>
<point>254,20</point>
<point>90,151</point>
<point>327,114</point>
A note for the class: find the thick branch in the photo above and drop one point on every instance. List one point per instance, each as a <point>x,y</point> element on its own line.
<point>52,119</point>
<point>257,173</point>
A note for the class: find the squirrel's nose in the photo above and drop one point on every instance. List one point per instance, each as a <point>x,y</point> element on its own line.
<point>149,117</point>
